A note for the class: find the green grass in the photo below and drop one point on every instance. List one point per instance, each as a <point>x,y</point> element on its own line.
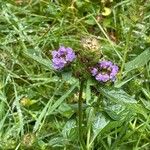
<point>38,106</point>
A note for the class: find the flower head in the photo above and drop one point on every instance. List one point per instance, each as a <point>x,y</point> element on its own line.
<point>105,71</point>
<point>62,57</point>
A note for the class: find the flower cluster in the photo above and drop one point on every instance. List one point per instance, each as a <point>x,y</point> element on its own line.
<point>105,71</point>
<point>62,57</point>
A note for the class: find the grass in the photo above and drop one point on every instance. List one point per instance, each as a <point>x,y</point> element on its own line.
<point>38,106</point>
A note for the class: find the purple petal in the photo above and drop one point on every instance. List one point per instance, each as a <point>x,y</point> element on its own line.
<point>62,57</point>
<point>58,60</point>
<point>58,67</point>
<point>103,78</point>
<point>105,64</point>
<point>114,71</point>
<point>54,54</point>
<point>62,50</point>
<point>94,71</point>
<point>115,68</point>
<point>70,57</point>
<point>58,63</point>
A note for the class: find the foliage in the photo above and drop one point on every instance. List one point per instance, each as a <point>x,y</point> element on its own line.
<point>38,105</point>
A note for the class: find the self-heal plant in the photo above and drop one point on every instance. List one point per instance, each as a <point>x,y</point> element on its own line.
<point>63,57</point>
<point>105,71</point>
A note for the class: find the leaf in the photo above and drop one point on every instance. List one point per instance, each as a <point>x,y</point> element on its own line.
<point>65,110</point>
<point>48,109</point>
<point>90,21</point>
<point>145,103</point>
<point>2,105</point>
<point>90,116</point>
<point>123,82</point>
<point>56,142</point>
<point>88,92</point>
<point>40,60</point>
<point>139,109</point>
<point>69,130</point>
<point>99,123</point>
<point>67,75</point>
<point>116,111</point>
<point>118,95</point>
<point>139,61</point>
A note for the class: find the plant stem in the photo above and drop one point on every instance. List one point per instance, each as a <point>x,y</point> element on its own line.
<point>81,114</point>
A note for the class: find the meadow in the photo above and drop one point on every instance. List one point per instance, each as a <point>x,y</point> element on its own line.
<point>74,75</point>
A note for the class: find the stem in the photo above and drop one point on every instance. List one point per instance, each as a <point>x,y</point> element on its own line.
<point>88,139</point>
<point>80,114</point>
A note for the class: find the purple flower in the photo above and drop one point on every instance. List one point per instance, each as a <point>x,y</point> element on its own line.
<point>70,56</point>
<point>94,71</point>
<point>105,64</point>
<point>62,57</point>
<point>105,71</point>
<point>102,77</point>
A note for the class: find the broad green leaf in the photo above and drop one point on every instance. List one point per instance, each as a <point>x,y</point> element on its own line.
<point>56,142</point>
<point>116,111</point>
<point>99,123</point>
<point>90,116</point>
<point>138,62</point>
<point>69,130</point>
<point>65,110</point>
<point>117,95</point>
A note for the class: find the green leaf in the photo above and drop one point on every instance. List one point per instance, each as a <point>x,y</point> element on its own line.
<point>117,95</point>
<point>138,62</point>
<point>90,21</point>
<point>146,103</point>
<point>116,111</point>
<point>40,60</point>
<point>66,76</point>
<point>48,109</point>
<point>119,84</point>
<point>99,123</point>
<point>65,110</point>
<point>139,109</point>
<point>88,92</point>
<point>69,130</point>
<point>56,142</point>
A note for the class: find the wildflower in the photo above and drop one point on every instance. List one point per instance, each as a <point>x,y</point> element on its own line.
<point>90,43</point>
<point>62,57</point>
<point>105,71</point>
<point>91,51</point>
